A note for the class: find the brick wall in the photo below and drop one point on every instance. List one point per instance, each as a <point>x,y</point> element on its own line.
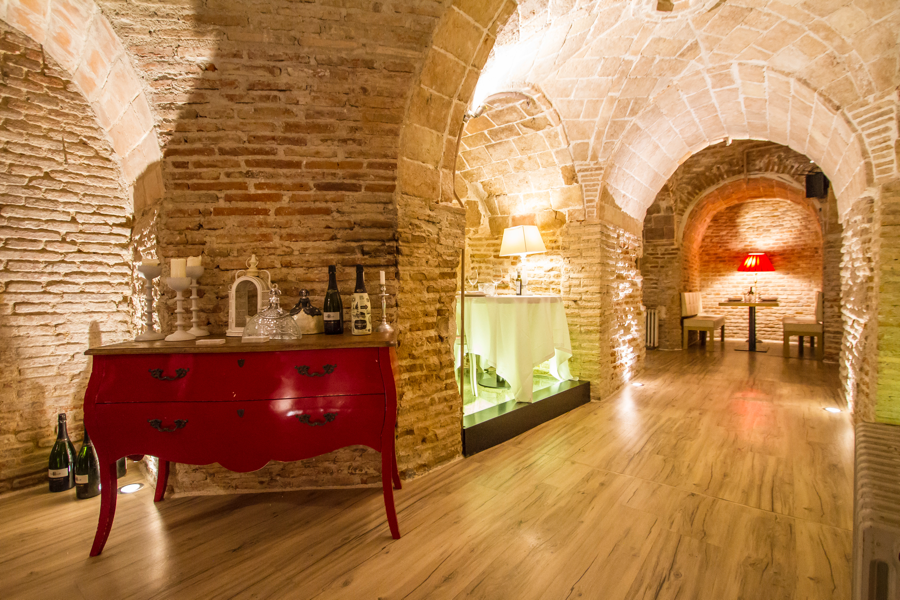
<point>791,237</point>
<point>887,409</point>
<point>280,133</point>
<point>859,262</point>
<point>65,280</point>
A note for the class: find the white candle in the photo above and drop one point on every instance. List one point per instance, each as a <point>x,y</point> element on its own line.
<point>177,267</point>
<point>382,277</point>
<point>150,262</point>
<point>193,261</point>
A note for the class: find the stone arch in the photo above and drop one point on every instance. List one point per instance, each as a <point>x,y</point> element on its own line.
<point>704,108</point>
<point>514,163</point>
<point>735,191</point>
<point>77,35</point>
<point>430,225</point>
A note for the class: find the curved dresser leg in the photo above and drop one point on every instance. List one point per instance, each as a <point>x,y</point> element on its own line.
<point>108,491</point>
<point>162,479</point>
<point>394,472</point>
<point>386,468</point>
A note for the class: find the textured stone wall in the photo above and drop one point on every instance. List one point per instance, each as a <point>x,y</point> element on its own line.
<point>832,232</point>
<point>431,229</point>
<point>888,394</point>
<point>602,298</point>
<point>859,263</point>
<point>65,279</point>
<point>790,235</point>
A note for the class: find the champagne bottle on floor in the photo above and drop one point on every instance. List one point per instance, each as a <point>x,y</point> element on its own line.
<point>87,470</point>
<point>334,308</point>
<point>62,459</point>
<point>360,308</point>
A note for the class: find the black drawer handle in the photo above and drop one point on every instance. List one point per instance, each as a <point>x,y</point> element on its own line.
<point>329,417</point>
<point>157,425</point>
<point>327,370</point>
<point>158,374</point>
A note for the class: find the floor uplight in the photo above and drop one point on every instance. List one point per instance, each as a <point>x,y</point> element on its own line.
<point>130,488</point>
<point>637,384</point>
<point>832,409</point>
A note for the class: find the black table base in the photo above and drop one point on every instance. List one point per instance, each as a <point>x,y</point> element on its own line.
<point>751,346</point>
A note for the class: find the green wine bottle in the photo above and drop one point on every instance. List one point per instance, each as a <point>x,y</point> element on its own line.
<point>334,308</point>
<point>62,459</point>
<point>87,470</point>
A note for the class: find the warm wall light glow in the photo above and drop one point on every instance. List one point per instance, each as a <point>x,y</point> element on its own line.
<point>130,488</point>
<point>756,262</point>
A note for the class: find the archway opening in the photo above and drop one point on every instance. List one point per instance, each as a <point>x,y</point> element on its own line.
<point>514,168</point>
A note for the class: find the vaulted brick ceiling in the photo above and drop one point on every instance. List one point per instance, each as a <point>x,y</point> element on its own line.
<point>640,90</point>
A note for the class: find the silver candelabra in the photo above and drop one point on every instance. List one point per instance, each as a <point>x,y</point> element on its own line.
<point>384,326</point>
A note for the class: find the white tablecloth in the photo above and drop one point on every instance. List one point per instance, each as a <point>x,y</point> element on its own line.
<point>514,334</point>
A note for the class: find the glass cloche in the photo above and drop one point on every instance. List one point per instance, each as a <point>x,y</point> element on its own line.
<point>272,322</point>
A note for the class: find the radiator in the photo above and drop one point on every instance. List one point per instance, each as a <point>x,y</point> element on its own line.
<point>876,513</point>
<point>652,328</point>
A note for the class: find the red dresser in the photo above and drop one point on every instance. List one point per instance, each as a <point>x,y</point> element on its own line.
<point>284,401</point>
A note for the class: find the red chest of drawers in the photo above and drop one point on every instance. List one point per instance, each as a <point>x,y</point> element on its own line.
<point>284,401</point>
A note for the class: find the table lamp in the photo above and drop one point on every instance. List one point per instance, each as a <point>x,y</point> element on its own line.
<point>522,240</point>
<point>756,262</point>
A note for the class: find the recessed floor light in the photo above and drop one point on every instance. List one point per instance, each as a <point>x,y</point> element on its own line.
<point>832,409</point>
<point>637,384</point>
<point>130,488</point>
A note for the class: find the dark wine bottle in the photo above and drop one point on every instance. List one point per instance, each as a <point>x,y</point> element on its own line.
<point>62,459</point>
<point>87,470</point>
<point>360,307</point>
<point>334,308</point>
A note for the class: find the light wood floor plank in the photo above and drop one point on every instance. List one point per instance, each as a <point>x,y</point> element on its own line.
<point>721,477</point>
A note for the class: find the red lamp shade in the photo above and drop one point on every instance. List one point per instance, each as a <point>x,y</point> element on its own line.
<point>756,262</point>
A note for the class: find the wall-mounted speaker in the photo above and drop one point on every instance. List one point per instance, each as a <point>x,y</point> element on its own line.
<point>816,185</point>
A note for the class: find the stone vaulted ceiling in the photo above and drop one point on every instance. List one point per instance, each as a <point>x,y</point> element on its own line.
<point>640,90</point>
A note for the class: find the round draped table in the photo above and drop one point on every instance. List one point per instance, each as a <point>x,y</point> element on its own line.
<point>514,334</point>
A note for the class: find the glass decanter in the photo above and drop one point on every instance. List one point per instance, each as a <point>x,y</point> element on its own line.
<point>272,322</point>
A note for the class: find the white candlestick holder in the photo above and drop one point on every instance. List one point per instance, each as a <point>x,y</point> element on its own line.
<point>150,272</point>
<point>195,273</point>
<point>384,326</point>
<point>179,284</point>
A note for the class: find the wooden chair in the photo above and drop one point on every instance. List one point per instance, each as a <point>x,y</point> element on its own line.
<point>806,327</point>
<point>693,320</point>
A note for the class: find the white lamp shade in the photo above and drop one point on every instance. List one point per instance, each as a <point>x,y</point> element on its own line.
<point>522,239</point>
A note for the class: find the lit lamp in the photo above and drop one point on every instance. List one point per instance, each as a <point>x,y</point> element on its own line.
<point>756,262</point>
<point>522,240</point>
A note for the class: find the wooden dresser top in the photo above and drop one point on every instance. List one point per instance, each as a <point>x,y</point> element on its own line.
<point>233,344</point>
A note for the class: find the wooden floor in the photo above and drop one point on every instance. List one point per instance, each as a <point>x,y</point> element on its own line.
<point>720,478</point>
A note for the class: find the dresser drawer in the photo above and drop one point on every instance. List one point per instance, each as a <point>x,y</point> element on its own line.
<point>241,435</point>
<point>237,376</point>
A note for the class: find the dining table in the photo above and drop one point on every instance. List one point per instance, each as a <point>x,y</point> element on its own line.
<point>515,334</point>
<point>751,338</point>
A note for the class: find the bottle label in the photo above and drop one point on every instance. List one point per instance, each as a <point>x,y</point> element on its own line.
<point>332,316</point>
<point>81,479</point>
<point>58,473</point>
<point>361,314</point>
